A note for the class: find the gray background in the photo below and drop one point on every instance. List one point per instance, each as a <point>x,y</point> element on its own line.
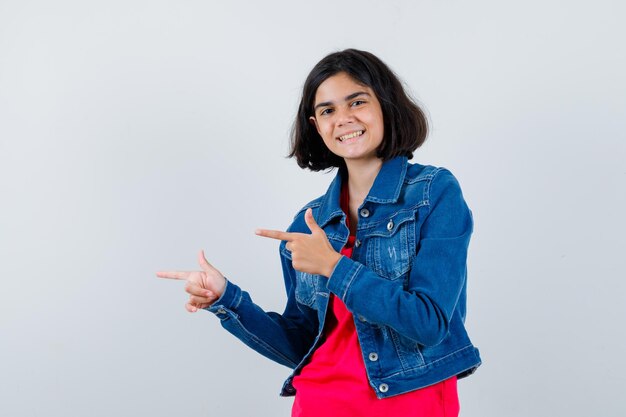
<point>134,133</point>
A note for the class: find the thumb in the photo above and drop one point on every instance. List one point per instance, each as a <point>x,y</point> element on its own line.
<point>204,264</point>
<point>310,221</point>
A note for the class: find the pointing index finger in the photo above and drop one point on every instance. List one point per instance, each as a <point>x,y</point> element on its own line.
<point>275,234</point>
<point>173,274</point>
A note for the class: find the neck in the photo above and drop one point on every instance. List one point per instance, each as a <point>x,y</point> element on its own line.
<point>361,176</point>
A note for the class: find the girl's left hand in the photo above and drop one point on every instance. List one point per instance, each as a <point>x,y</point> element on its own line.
<point>204,287</point>
<point>310,253</point>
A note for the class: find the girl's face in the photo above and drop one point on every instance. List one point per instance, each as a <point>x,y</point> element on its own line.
<point>348,117</point>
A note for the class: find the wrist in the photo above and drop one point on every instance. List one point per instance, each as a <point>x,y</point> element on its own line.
<point>334,259</point>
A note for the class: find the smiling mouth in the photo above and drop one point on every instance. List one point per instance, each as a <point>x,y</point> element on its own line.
<point>351,135</point>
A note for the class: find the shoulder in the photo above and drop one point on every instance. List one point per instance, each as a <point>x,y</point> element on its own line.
<point>427,173</point>
<point>430,184</point>
<point>420,173</point>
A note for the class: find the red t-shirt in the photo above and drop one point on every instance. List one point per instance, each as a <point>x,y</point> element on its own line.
<point>334,382</point>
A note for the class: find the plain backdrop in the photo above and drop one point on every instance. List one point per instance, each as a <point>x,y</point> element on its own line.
<point>134,133</point>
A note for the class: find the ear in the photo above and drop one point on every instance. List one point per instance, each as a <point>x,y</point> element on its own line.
<point>313,121</point>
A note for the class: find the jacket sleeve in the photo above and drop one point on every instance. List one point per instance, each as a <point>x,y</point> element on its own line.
<point>284,338</point>
<point>423,309</point>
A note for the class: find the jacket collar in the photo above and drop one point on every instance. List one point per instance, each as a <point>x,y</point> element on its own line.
<point>386,188</point>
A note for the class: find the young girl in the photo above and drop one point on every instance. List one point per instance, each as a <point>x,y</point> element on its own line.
<point>375,269</point>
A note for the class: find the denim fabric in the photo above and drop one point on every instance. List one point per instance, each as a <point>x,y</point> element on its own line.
<point>405,284</point>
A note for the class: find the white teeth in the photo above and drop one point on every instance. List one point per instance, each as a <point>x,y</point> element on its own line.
<point>351,135</point>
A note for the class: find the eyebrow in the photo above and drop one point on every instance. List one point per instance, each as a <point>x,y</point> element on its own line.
<point>346,98</point>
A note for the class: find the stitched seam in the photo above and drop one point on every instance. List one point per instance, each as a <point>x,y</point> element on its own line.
<point>394,338</point>
<point>427,188</point>
<point>331,216</point>
<point>369,225</point>
<point>351,279</point>
<point>405,169</point>
<point>425,177</point>
<point>429,363</point>
<point>380,200</point>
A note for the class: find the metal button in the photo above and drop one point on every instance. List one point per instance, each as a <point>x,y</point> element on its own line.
<point>373,356</point>
<point>390,225</point>
<point>383,387</point>
<point>365,212</point>
<point>221,311</point>
<point>357,243</point>
<point>362,319</point>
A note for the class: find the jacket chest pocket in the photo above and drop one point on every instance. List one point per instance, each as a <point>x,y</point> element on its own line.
<point>391,245</point>
<point>308,286</point>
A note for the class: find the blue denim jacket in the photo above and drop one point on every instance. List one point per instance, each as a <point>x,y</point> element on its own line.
<point>405,284</point>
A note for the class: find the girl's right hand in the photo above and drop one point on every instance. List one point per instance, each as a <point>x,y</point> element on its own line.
<point>204,287</point>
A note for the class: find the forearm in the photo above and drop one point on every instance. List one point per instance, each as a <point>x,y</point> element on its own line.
<point>420,314</point>
<point>284,338</point>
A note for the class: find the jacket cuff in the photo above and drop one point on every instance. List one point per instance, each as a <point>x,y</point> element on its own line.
<point>342,277</point>
<point>230,299</point>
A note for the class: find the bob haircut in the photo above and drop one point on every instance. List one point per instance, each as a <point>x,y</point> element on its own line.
<point>405,124</point>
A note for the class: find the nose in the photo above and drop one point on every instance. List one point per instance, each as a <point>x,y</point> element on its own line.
<point>344,116</point>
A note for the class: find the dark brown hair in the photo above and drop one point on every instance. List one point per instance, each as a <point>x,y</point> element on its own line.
<point>405,124</point>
